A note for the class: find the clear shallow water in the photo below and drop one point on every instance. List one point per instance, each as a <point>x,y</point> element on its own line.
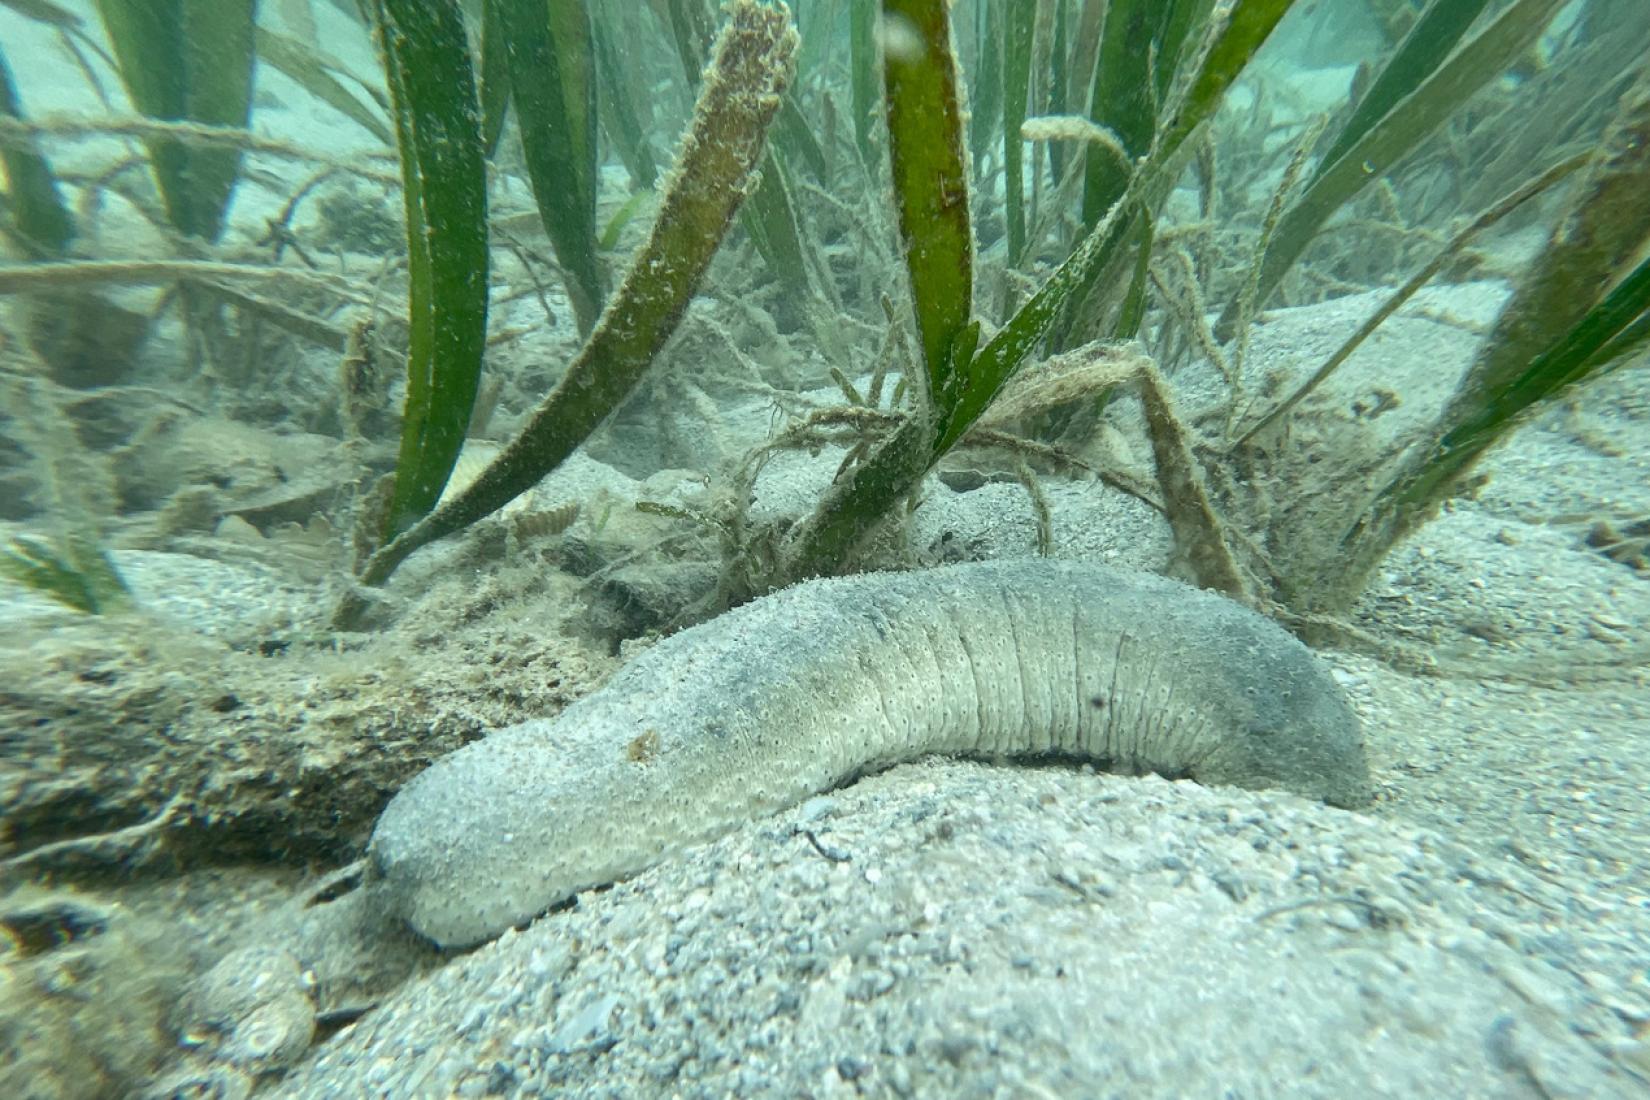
<point>174,767</point>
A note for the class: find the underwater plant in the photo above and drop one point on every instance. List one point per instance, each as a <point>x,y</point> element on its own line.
<point>750,67</point>
<point>444,188</point>
<point>73,573</point>
<point>1021,243</point>
<point>188,61</point>
<point>37,222</point>
<point>1148,116</point>
<point>1520,365</point>
<point>1582,309</point>
<point>1420,86</point>
<point>69,564</point>
<point>964,376</point>
<point>549,52</point>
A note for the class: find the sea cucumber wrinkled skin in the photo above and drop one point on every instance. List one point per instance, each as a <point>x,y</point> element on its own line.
<point>801,690</point>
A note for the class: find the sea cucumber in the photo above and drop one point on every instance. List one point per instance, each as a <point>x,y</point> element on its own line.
<point>804,689</point>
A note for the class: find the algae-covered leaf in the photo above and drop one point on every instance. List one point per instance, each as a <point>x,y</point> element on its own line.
<point>857,503</point>
<point>621,218</point>
<point>1246,29</point>
<point>1159,84</point>
<point>73,572</point>
<point>37,220</point>
<point>1398,134</point>
<point>438,126</point>
<point>795,136</point>
<point>1016,77</point>
<point>1582,303</point>
<point>751,67</point>
<point>862,71</point>
<point>1015,342</point>
<point>553,86</point>
<point>1574,307</point>
<point>769,216</point>
<point>930,181</point>
<point>770,219</point>
<point>1135,46</point>
<point>1418,56</point>
<point>190,61</point>
<point>617,105</point>
<point>494,79</point>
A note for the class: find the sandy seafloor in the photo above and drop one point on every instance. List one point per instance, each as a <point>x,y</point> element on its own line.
<point>1482,930</point>
<point>992,930</point>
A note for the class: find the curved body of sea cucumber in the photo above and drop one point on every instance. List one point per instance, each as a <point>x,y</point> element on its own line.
<point>801,690</point>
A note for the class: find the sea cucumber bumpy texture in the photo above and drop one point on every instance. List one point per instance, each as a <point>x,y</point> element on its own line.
<point>799,691</point>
